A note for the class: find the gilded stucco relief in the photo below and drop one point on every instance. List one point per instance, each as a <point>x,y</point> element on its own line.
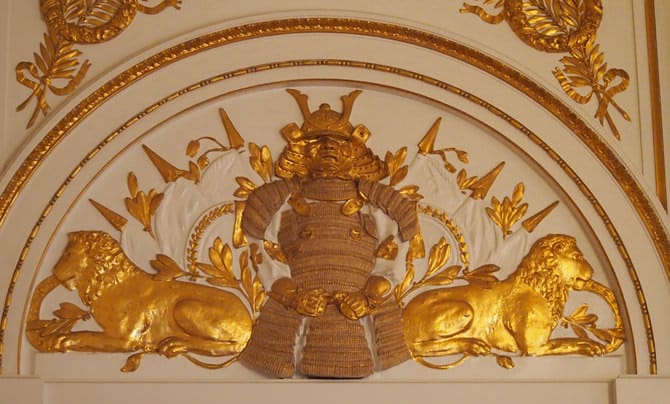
<point>489,235</point>
<point>566,26</point>
<point>56,68</point>
<point>309,254</point>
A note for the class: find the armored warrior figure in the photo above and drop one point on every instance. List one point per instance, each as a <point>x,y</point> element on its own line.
<point>329,177</point>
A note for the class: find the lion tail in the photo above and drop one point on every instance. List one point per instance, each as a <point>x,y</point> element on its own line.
<point>445,366</point>
<point>38,330</point>
<point>613,337</point>
<point>211,366</point>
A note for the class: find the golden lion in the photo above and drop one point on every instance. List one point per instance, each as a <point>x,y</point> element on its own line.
<point>136,312</point>
<point>518,314</point>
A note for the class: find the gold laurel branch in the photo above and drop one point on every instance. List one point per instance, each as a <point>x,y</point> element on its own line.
<point>394,165</point>
<point>220,272</point>
<point>56,61</point>
<point>510,211</point>
<point>464,182</point>
<point>260,160</point>
<point>251,281</point>
<point>275,251</point>
<point>67,315</point>
<point>246,187</point>
<point>166,269</point>
<point>586,68</point>
<point>140,205</point>
<point>73,22</point>
<point>196,235</point>
<point>453,228</point>
<point>551,18</point>
<point>581,322</point>
<point>435,275</point>
<point>40,332</point>
<point>566,26</point>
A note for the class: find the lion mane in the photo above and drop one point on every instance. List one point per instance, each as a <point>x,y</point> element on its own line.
<point>109,265</point>
<point>515,314</point>
<point>538,270</point>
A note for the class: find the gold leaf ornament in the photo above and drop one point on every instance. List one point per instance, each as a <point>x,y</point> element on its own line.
<point>439,255</point>
<point>274,251</point>
<point>133,362</point>
<point>388,249</point>
<point>167,269</point>
<point>220,271</point>
<point>251,283</point>
<point>582,317</point>
<point>417,248</point>
<point>192,148</point>
<point>140,205</point>
<point>411,192</point>
<point>403,287</point>
<point>73,22</point>
<point>444,278</point>
<point>397,172</point>
<point>56,61</point>
<point>352,206</point>
<point>71,312</point>
<point>566,26</point>
<point>509,212</point>
<point>482,275</point>
<point>261,161</point>
<point>221,256</point>
<point>246,186</point>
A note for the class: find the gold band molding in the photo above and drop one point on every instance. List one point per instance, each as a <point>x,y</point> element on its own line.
<point>347,26</point>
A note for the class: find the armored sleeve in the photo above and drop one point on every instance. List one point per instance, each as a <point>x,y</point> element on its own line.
<point>262,205</point>
<point>394,204</point>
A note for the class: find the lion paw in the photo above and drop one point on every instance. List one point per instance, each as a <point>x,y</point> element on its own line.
<point>590,348</point>
<point>63,342</point>
<point>172,346</point>
<point>477,347</point>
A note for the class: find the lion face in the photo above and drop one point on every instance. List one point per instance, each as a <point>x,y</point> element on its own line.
<point>571,266</point>
<point>70,263</point>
